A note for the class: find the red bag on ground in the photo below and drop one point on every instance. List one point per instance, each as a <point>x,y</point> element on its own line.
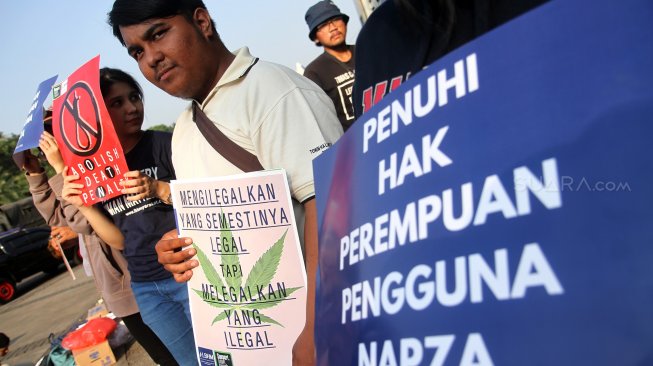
<point>93,332</point>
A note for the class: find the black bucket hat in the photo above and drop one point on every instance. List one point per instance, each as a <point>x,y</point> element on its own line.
<point>320,13</point>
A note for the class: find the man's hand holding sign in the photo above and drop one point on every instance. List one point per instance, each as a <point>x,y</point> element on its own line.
<point>174,258</point>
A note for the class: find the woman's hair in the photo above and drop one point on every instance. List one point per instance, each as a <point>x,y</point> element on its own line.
<point>131,12</point>
<point>109,76</point>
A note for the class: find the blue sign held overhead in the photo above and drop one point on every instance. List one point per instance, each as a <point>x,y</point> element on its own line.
<point>33,126</point>
<point>495,208</point>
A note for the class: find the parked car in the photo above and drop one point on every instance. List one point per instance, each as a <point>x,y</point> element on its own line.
<point>24,252</point>
<point>21,213</point>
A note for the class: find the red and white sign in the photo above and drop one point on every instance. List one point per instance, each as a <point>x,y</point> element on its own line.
<point>84,131</point>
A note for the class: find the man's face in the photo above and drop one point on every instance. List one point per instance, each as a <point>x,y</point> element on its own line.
<point>4,351</point>
<point>173,54</point>
<point>332,33</point>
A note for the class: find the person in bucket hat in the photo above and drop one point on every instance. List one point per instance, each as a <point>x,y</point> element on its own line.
<point>333,70</point>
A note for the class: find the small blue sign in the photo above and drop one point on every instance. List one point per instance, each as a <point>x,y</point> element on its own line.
<point>33,127</point>
<point>496,208</point>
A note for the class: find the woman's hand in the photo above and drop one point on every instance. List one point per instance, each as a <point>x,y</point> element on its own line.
<point>48,144</point>
<point>139,186</point>
<point>31,164</point>
<point>62,233</point>
<point>71,190</point>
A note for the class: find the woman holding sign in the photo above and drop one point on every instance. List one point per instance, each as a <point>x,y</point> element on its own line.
<point>108,266</point>
<point>143,214</point>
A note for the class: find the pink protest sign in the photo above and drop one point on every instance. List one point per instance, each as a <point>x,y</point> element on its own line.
<point>248,297</point>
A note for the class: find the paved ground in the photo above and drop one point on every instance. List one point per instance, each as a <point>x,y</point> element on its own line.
<point>51,304</point>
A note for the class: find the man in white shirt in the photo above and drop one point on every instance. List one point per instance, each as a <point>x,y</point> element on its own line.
<point>270,111</point>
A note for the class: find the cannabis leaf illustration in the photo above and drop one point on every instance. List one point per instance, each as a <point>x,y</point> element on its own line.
<point>211,275</point>
<point>266,266</point>
<point>221,316</point>
<point>230,261</point>
<point>259,277</point>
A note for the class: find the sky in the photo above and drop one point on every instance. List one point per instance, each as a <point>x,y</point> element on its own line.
<point>46,38</point>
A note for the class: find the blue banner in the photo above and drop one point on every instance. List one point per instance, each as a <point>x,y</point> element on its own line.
<point>496,208</point>
<point>33,127</point>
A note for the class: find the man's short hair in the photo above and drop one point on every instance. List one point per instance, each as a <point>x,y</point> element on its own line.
<point>4,340</point>
<point>131,12</point>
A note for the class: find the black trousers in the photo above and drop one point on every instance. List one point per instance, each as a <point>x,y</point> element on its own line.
<point>148,339</point>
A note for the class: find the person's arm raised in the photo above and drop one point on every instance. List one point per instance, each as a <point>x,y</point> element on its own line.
<point>102,225</point>
<point>50,148</point>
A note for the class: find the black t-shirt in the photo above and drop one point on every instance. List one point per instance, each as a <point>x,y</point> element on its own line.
<point>336,78</point>
<point>143,222</point>
<point>391,46</point>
